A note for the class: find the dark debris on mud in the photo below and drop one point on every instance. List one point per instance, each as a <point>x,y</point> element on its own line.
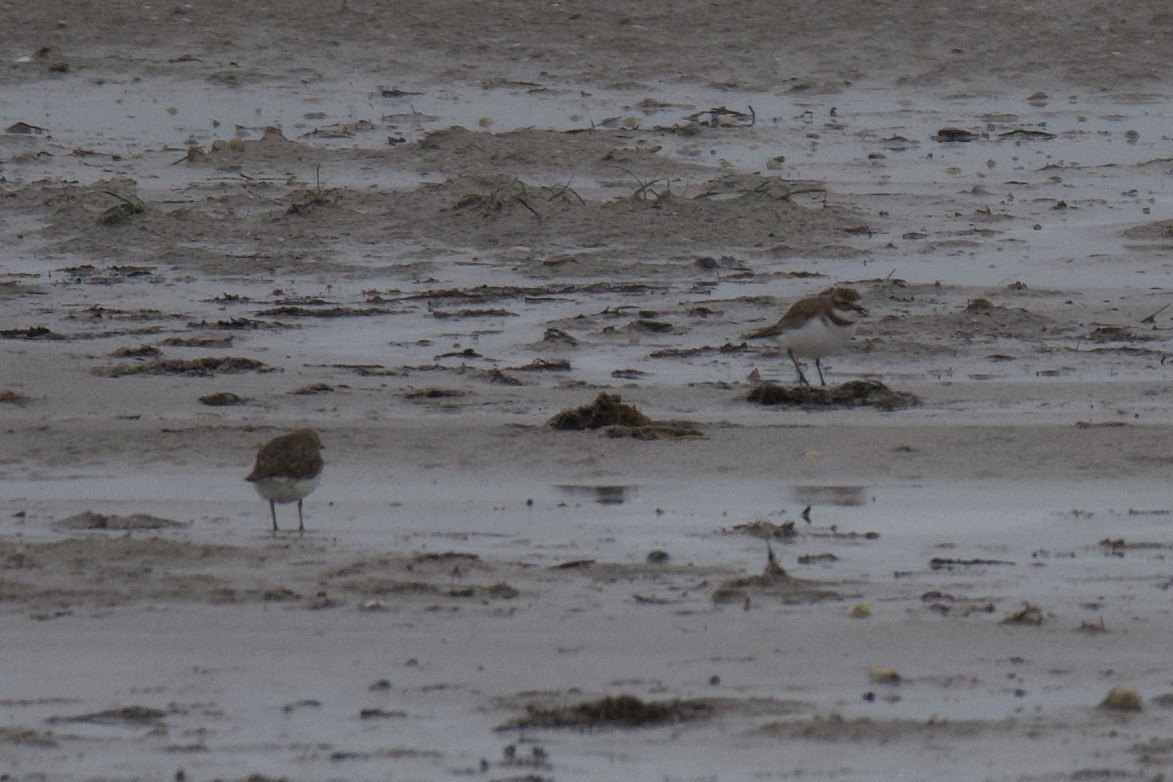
<point>620,711</point>
<point>125,715</point>
<point>222,399</point>
<point>294,311</point>
<point>32,332</point>
<point>767,530</point>
<point>854,393</point>
<point>10,397</point>
<point>391,587</point>
<point>202,367</point>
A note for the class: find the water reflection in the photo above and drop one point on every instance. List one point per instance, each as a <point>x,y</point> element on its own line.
<point>604,495</point>
<point>844,496</point>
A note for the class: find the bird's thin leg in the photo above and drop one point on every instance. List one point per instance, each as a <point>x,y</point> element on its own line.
<point>300,521</point>
<point>801,377</point>
<point>819,367</point>
<point>273,510</point>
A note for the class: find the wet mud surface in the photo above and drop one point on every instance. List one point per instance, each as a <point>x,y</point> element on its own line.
<point>573,524</point>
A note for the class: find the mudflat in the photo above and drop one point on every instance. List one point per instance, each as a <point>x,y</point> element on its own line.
<point>430,233</point>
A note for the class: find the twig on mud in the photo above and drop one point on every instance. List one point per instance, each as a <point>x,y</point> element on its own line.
<point>645,191</point>
<point>1153,318</point>
<point>722,117</point>
<point>314,197</point>
<point>122,210</point>
<point>765,188</point>
<point>564,193</point>
<point>804,190</point>
<point>511,192</point>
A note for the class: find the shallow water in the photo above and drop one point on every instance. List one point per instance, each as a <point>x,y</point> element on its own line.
<point>624,522</point>
<point>1008,543</point>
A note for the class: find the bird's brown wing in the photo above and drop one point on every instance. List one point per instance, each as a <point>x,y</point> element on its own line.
<point>289,456</point>
<point>799,313</point>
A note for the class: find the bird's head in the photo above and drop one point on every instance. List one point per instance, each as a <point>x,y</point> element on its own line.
<point>846,300</point>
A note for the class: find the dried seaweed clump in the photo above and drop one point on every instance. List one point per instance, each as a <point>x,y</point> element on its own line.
<point>606,410</point>
<point>1029,614</point>
<point>624,421</point>
<point>855,393</point>
<point>620,711</point>
<point>222,399</point>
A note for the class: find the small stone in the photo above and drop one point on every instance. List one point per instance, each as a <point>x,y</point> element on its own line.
<point>1121,698</point>
<point>882,674</point>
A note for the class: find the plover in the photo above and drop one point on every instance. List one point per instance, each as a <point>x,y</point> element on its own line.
<point>287,470</point>
<point>816,326</point>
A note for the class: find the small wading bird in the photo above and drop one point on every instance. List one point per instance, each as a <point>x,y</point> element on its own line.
<point>287,470</point>
<point>815,327</point>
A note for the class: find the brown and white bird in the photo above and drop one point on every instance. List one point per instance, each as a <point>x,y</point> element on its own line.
<point>816,326</point>
<point>287,470</point>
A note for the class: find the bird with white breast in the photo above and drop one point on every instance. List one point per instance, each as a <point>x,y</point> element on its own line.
<point>815,327</point>
<point>288,468</point>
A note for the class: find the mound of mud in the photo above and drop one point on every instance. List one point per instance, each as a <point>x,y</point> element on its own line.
<point>202,367</point>
<point>1161,229</point>
<point>773,582</point>
<point>623,421</point>
<point>620,711</point>
<point>384,587</point>
<point>835,727</point>
<point>90,520</point>
<point>855,393</point>
<point>658,430</point>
